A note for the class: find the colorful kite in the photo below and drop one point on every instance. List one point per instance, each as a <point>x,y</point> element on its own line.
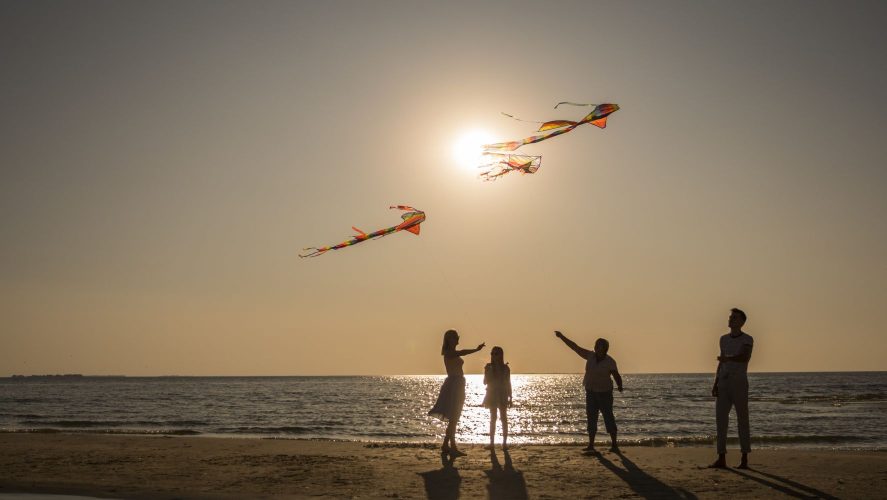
<point>411,221</point>
<point>503,163</point>
<point>597,117</point>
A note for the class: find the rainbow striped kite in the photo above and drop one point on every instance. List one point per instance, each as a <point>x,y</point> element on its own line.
<point>597,117</point>
<point>411,220</point>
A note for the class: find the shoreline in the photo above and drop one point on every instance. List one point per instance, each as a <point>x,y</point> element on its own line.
<point>801,443</point>
<point>138,466</point>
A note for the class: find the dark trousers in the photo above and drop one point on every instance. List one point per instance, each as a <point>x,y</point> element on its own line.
<point>733,393</point>
<point>599,402</point>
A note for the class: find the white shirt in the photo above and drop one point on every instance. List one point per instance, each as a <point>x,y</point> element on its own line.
<point>732,346</point>
<point>597,374</point>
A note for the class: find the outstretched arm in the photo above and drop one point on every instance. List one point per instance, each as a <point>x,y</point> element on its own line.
<point>583,353</point>
<point>465,352</point>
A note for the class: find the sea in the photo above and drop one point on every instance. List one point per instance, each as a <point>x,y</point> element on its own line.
<point>802,410</point>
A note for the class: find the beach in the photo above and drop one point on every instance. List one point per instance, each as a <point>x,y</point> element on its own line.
<point>120,466</point>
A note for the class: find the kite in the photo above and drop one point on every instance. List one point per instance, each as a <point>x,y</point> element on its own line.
<point>411,220</point>
<point>597,117</point>
<point>502,163</point>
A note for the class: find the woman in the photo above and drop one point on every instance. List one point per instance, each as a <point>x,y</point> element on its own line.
<point>452,394</point>
<point>497,378</point>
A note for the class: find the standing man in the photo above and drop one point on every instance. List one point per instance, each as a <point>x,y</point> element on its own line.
<point>731,387</point>
<point>599,367</point>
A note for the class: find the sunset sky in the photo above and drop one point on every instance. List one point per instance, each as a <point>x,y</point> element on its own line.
<point>163,164</point>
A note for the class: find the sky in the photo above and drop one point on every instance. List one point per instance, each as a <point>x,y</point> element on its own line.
<point>163,164</point>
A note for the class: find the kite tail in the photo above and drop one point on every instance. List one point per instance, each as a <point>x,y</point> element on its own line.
<point>520,119</point>
<point>314,253</point>
<point>572,104</point>
<point>405,207</point>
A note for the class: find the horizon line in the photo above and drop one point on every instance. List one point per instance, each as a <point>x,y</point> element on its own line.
<point>79,375</point>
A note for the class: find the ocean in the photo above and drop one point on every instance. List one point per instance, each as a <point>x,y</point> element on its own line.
<point>808,410</point>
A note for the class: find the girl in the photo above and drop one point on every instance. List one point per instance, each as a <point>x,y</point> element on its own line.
<point>497,378</point>
<point>452,394</point>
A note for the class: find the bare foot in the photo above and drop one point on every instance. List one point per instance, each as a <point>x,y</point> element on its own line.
<point>589,448</point>
<point>742,465</point>
<point>718,464</point>
<point>456,453</point>
<point>615,449</point>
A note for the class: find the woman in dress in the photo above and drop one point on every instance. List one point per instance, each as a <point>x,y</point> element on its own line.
<point>497,378</point>
<point>452,394</point>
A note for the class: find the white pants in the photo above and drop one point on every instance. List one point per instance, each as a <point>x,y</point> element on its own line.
<point>733,392</point>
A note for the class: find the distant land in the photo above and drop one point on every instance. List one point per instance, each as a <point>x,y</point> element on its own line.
<point>67,375</point>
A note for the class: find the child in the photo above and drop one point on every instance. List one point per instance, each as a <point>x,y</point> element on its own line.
<point>497,378</point>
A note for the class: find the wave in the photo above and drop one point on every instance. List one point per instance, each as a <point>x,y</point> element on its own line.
<point>287,429</point>
<point>833,398</point>
<point>111,423</point>
<point>765,440</point>
<point>137,432</point>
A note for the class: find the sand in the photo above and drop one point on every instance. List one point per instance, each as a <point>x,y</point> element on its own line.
<point>201,467</point>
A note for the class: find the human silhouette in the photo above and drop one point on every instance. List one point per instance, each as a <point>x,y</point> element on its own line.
<point>448,406</point>
<point>497,378</point>
<point>731,387</point>
<point>599,367</point>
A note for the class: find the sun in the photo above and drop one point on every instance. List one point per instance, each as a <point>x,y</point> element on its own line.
<point>468,151</point>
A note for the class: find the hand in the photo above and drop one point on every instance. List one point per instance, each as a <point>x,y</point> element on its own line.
<point>714,391</point>
<point>558,334</point>
<point>722,358</point>
<point>481,346</point>
<point>620,388</point>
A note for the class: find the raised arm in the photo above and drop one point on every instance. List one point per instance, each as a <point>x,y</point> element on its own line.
<point>465,352</point>
<point>583,353</point>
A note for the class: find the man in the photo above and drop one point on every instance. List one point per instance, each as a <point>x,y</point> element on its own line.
<point>598,387</point>
<point>731,387</point>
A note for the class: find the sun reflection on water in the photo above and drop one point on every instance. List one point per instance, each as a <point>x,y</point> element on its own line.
<point>535,416</point>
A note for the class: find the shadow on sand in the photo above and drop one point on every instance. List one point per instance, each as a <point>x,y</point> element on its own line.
<point>443,483</point>
<point>781,484</point>
<point>505,482</point>
<point>643,484</point>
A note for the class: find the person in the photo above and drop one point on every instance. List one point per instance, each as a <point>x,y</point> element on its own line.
<point>497,378</point>
<point>731,387</point>
<point>448,406</point>
<point>599,367</point>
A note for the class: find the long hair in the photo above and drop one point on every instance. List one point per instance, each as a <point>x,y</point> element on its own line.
<point>497,363</point>
<point>449,341</point>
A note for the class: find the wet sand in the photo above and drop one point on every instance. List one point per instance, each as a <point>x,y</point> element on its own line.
<point>199,467</point>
